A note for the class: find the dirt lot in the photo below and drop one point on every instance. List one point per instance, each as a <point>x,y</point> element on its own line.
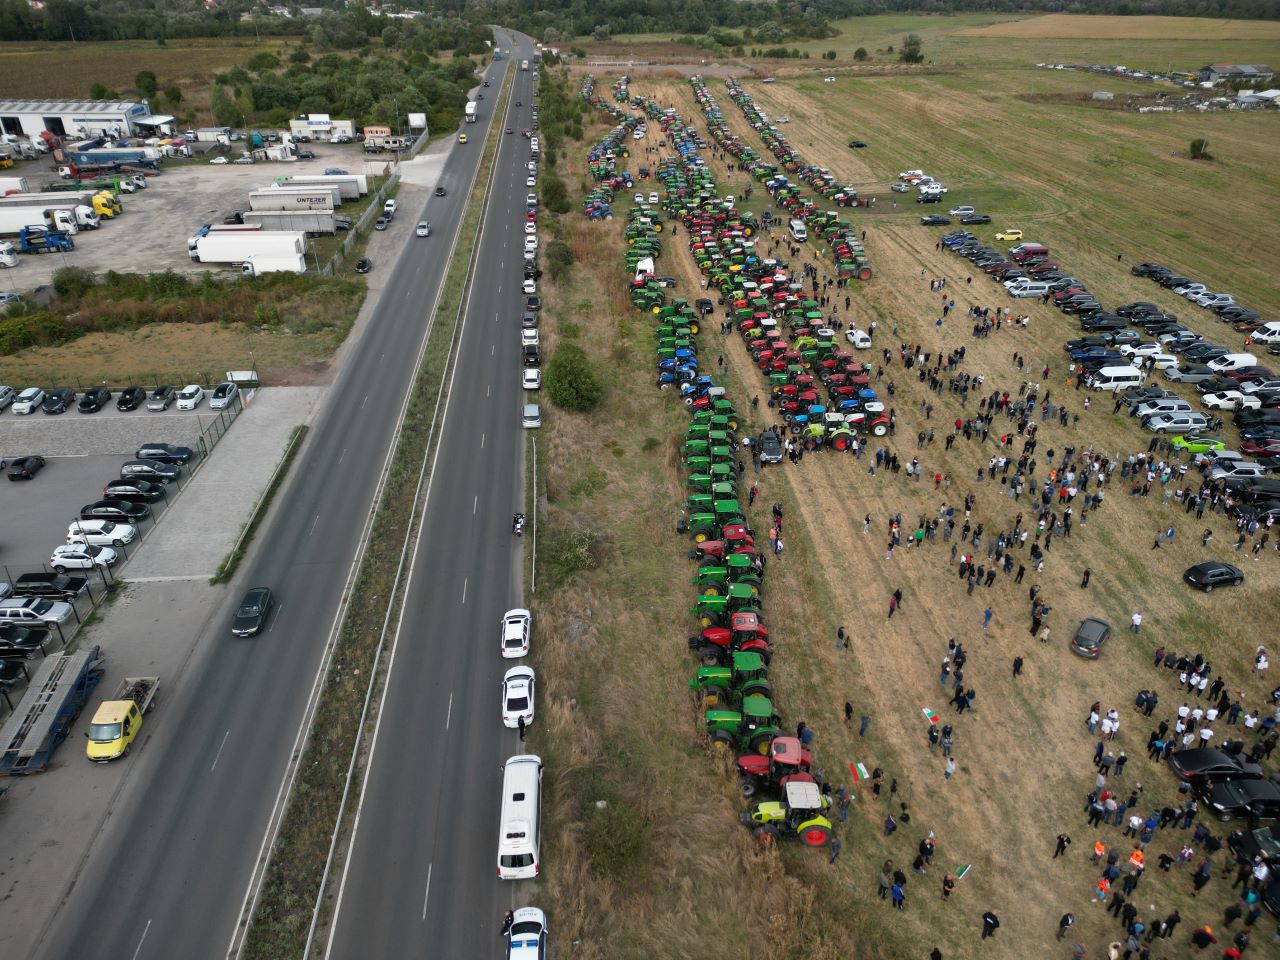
<point>1023,757</point>
<point>152,233</point>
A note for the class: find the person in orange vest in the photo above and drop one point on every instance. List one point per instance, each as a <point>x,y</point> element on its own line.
<point>1099,851</point>
<point>1137,859</point>
<point>1104,886</point>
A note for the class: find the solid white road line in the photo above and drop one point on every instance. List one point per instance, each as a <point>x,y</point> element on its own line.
<point>465,581</point>
<point>219,753</point>
<point>448,717</point>
<point>426,896</point>
<point>144,937</point>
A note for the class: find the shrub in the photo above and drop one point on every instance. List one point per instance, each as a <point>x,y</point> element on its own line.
<point>911,49</point>
<point>571,383</point>
<point>72,281</point>
<point>559,259</point>
<point>1200,149</point>
<point>860,53</point>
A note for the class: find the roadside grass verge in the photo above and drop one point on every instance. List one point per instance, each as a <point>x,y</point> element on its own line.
<point>231,562</point>
<point>281,920</point>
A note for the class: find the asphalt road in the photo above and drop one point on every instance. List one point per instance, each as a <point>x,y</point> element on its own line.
<point>422,878</point>
<point>167,875</point>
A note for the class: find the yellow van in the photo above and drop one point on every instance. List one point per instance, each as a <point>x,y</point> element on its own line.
<point>1009,235</point>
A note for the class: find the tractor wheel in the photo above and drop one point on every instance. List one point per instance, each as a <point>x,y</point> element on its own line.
<point>700,536</point>
<point>705,621</point>
<point>682,527</point>
<point>815,835</point>
<point>721,740</point>
<point>760,743</point>
<point>733,424</point>
<point>841,442</point>
<point>663,385</point>
<point>710,659</point>
<point>688,401</point>
<point>749,786</point>
<point>694,554</point>
<point>711,590</point>
<point>795,428</point>
<point>766,836</point>
<point>713,696</point>
<point>694,327</point>
<point>761,688</point>
<point>811,443</point>
<point>880,429</point>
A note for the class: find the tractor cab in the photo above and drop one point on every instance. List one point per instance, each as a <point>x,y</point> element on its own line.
<point>752,727</point>
<point>788,761</point>
<point>797,816</point>
<point>722,686</point>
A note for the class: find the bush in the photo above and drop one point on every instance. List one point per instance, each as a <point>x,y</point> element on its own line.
<point>911,50</point>
<point>860,53</point>
<point>72,281</point>
<point>570,381</point>
<point>829,55</point>
<point>1200,149</point>
<point>559,259</point>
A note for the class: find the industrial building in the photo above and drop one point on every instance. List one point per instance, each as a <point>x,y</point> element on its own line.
<point>82,119</point>
<point>318,126</point>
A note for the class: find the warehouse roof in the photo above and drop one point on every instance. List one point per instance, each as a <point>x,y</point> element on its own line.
<point>105,107</point>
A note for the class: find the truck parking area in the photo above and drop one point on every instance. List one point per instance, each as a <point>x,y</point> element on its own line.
<point>152,232</point>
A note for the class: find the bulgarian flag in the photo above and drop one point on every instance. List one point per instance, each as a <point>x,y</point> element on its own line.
<point>929,715</point>
<point>859,772</point>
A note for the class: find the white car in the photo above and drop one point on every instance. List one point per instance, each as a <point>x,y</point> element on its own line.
<point>531,379</point>
<point>531,242</point>
<point>245,160</point>
<point>961,211</point>
<point>653,198</point>
<point>768,80</point>
<point>530,227</point>
<point>192,396</point>
<point>529,337</point>
<point>517,633</point>
<point>1238,468</point>
<point>78,556</point>
<point>101,533</point>
<point>828,79</point>
<point>529,288</point>
<point>531,182</point>
<point>1231,400</point>
<point>531,416</point>
<point>1139,349</point>
<point>639,198</point>
<point>28,401</point>
<point>859,338</point>
<point>517,696</point>
<point>527,938</point>
<point>638,135</point>
<point>423,229</point>
<point>224,394</point>
<point>1164,361</point>
<point>1187,289</point>
<point>219,161</point>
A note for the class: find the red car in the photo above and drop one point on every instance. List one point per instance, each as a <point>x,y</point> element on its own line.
<point>1261,448</point>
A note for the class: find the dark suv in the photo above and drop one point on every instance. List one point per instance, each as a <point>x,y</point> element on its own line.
<point>94,400</point>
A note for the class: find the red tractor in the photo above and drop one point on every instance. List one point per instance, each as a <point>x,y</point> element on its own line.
<point>746,632</point>
<point>788,762</point>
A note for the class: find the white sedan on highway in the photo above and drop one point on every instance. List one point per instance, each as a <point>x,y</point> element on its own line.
<point>517,696</point>
<point>531,379</point>
<point>1231,400</point>
<point>192,396</point>
<point>517,632</point>
<point>77,556</point>
<point>531,182</point>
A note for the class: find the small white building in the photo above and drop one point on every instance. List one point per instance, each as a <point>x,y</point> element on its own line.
<point>82,119</point>
<point>319,126</point>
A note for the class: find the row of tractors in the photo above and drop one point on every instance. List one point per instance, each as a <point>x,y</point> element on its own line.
<point>850,257</point>
<point>733,646</point>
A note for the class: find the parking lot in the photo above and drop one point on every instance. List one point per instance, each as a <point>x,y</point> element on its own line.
<point>153,231</point>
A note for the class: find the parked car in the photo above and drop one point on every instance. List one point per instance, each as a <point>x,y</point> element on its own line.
<point>517,633</point>
<point>531,415</point>
<point>224,394</point>
<point>79,556</point>
<point>126,511</point>
<point>1262,843</point>
<point>7,396</point>
<point>164,453</point>
<point>151,470</point>
<point>101,532</point>
<point>130,398</point>
<point>936,221</point>
<point>160,398</point>
<point>518,696</point>
<point>192,396</point>
<point>58,400</point>
<point>24,468</point>
<point>19,642</point>
<point>34,611</point>
<point>1213,573</point>
<point>251,616</point>
<point>1209,765</point>
<point>1198,443</point>
<point>975,218</point>
<point>1090,637</point>
<point>139,491</point>
<point>364,265</point>
<point>531,378</point>
<point>1176,422</point>
<point>1229,800</point>
<point>381,223</point>
<point>94,400</point>
<point>1231,400</point>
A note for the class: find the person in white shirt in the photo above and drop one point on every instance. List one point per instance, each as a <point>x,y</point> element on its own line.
<point>1184,711</point>
<point>1250,721</point>
<point>1211,715</point>
<point>1206,734</point>
<point>1204,684</point>
<point>1135,622</point>
<point>1260,663</point>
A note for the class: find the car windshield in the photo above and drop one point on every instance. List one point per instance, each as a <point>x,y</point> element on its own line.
<point>105,732</point>
<point>250,608</point>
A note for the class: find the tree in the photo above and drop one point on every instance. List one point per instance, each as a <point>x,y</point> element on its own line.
<point>100,92</point>
<point>300,55</point>
<point>263,61</point>
<point>602,32</point>
<point>829,55</point>
<point>146,83</point>
<point>911,49</point>
<point>1200,149</point>
<point>173,94</point>
<point>571,383</point>
<point>860,53</point>
<point>223,107</point>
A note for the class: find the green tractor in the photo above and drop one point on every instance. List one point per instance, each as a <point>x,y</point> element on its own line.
<point>712,478</point>
<point>714,580</point>
<point>717,610</point>
<point>749,729</point>
<point>722,687</point>
<point>797,816</point>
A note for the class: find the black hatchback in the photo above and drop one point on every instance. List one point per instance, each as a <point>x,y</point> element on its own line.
<point>125,511</point>
<point>131,398</point>
<point>94,400</point>
<point>138,491</point>
<point>251,615</point>
<point>58,400</point>
<point>164,452</point>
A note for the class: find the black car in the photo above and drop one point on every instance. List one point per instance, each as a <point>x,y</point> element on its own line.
<point>58,400</point>
<point>440,191</point>
<point>1145,269</point>
<point>1082,343</point>
<point>976,218</point>
<point>1209,765</point>
<point>94,400</point>
<point>164,452</point>
<point>123,511</point>
<point>251,616</point>
<point>24,468</point>
<point>130,398</point>
<point>18,642</point>
<point>856,144</point>
<point>306,155</point>
<point>138,491</point>
<point>1090,636</point>
<point>1137,309</point>
<point>364,265</point>
<point>770,448</point>
<point>1233,799</point>
<point>151,470</point>
<point>1262,843</point>
<point>534,303</point>
<point>929,198</point>
<point>936,221</point>
<point>57,586</point>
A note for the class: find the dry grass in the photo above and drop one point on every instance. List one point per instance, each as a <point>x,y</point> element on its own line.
<point>1023,756</point>
<point>1065,26</point>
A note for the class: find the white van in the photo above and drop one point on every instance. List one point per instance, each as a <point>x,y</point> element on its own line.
<point>799,232</point>
<point>1232,361</point>
<point>521,812</point>
<point>1267,333</point>
<point>1115,379</point>
<point>1027,288</point>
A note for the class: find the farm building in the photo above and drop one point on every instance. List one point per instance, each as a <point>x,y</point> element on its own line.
<point>82,118</point>
<point>1236,71</point>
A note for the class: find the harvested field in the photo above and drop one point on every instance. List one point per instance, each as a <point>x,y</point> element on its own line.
<point>1065,26</point>
<point>1024,755</point>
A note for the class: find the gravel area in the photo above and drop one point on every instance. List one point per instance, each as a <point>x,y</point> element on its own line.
<point>75,434</point>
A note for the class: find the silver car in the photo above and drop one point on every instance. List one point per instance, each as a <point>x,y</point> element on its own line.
<point>1176,422</point>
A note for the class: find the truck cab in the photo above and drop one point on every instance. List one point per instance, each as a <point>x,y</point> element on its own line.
<point>113,729</point>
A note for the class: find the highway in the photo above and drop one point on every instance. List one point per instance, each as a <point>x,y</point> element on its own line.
<point>168,872</point>
<point>422,878</point>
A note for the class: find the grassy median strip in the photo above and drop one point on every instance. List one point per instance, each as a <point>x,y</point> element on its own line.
<point>281,920</point>
<point>227,569</point>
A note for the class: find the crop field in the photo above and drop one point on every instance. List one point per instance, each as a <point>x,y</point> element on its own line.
<point>1061,26</point>
<point>1091,184</point>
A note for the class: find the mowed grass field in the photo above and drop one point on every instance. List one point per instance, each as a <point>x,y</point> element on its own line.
<point>696,887</point>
